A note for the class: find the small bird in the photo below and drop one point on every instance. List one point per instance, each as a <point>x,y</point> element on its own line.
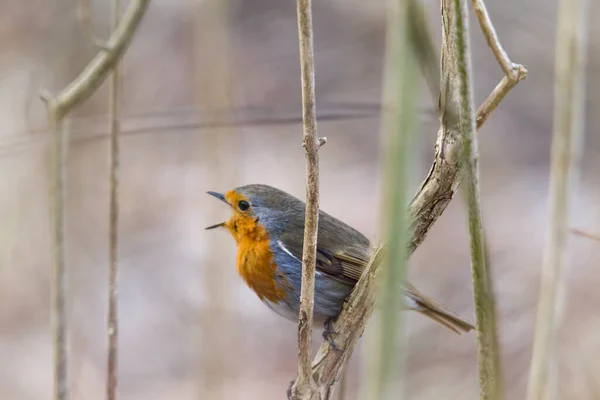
<point>268,227</point>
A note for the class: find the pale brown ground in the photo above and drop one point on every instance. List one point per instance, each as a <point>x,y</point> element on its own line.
<point>168,320</point>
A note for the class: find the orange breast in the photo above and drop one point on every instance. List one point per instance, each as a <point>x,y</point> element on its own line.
<point>256,265</point>
<point>255,262</point>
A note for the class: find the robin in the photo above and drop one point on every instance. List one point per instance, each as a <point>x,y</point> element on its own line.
<point>268,227</point>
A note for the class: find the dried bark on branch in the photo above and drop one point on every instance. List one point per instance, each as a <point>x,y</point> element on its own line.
<point>303,387</point>
<point>431,199</point>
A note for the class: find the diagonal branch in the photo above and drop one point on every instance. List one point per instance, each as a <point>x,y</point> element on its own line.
<point>514,73</point>
<point>430,201</point>
<point>94,74</point>
<point>585,234</point>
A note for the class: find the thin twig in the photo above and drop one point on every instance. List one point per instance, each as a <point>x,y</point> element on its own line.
<point>304,386</point>
<point>112,328</point>
<point>58,108</point>
<point>566,141</point>
<point>494,99</point>
<point>58,189</point>
<point>492,39</point>
<point>514,73</point>
<point>487,341</point>
<point>585,234</point>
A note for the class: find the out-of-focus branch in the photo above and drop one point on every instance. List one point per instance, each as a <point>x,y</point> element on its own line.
<point>569,95</point>
<point>58,191</point>
<point>94,74</point>
<point>386,355</point>
<point>303,387</point>
<point>585,234</point>
<point>488,356</point>
<point>84,15</point>
<point>422,43</point>
<point>112,323</point>
<point>58,108</point>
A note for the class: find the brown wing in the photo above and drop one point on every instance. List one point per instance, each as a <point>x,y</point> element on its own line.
<point>345,265</point>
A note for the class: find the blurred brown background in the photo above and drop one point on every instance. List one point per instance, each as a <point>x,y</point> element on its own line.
<point>189,327</point>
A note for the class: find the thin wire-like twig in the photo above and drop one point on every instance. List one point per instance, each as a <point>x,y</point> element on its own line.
<point>487,342</point>
<point>567,137</point>
<point>303,387</point>
<point>585,234</point>
<point>112,328</point>
<point>58,108</point>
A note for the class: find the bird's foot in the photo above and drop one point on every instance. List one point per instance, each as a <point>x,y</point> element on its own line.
<point>329,333</point>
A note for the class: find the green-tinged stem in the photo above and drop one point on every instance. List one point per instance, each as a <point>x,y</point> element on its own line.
<point>487,341</point>
<point>385,381</point>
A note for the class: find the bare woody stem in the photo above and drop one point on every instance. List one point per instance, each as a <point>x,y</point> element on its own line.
<point>514,73</point>
<point>303,387</point>
<point>58,108</point>
<point>566,141</point>
<point>487,341</point>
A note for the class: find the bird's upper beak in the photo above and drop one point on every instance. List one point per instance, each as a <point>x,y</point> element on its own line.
<point>222,198</point>
<point>218,196</point>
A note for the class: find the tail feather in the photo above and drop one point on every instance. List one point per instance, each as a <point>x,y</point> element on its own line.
<point>434,310</point>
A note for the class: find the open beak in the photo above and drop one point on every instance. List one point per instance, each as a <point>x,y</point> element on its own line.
<point>222,198</point>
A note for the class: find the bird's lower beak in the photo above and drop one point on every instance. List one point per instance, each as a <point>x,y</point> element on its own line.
<point>222,198</point>
<point>215,226</point>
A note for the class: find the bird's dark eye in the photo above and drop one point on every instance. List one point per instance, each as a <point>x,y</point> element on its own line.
<point>243,205</point>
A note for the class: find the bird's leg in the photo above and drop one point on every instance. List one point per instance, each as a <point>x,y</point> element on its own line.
<point>329,332</point>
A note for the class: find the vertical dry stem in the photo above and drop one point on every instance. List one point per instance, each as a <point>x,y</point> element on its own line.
<point>304,385</point>
<point>487,341</point>
<point>58,192</point>
<point>112,328</point>
<point>569,91</point>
